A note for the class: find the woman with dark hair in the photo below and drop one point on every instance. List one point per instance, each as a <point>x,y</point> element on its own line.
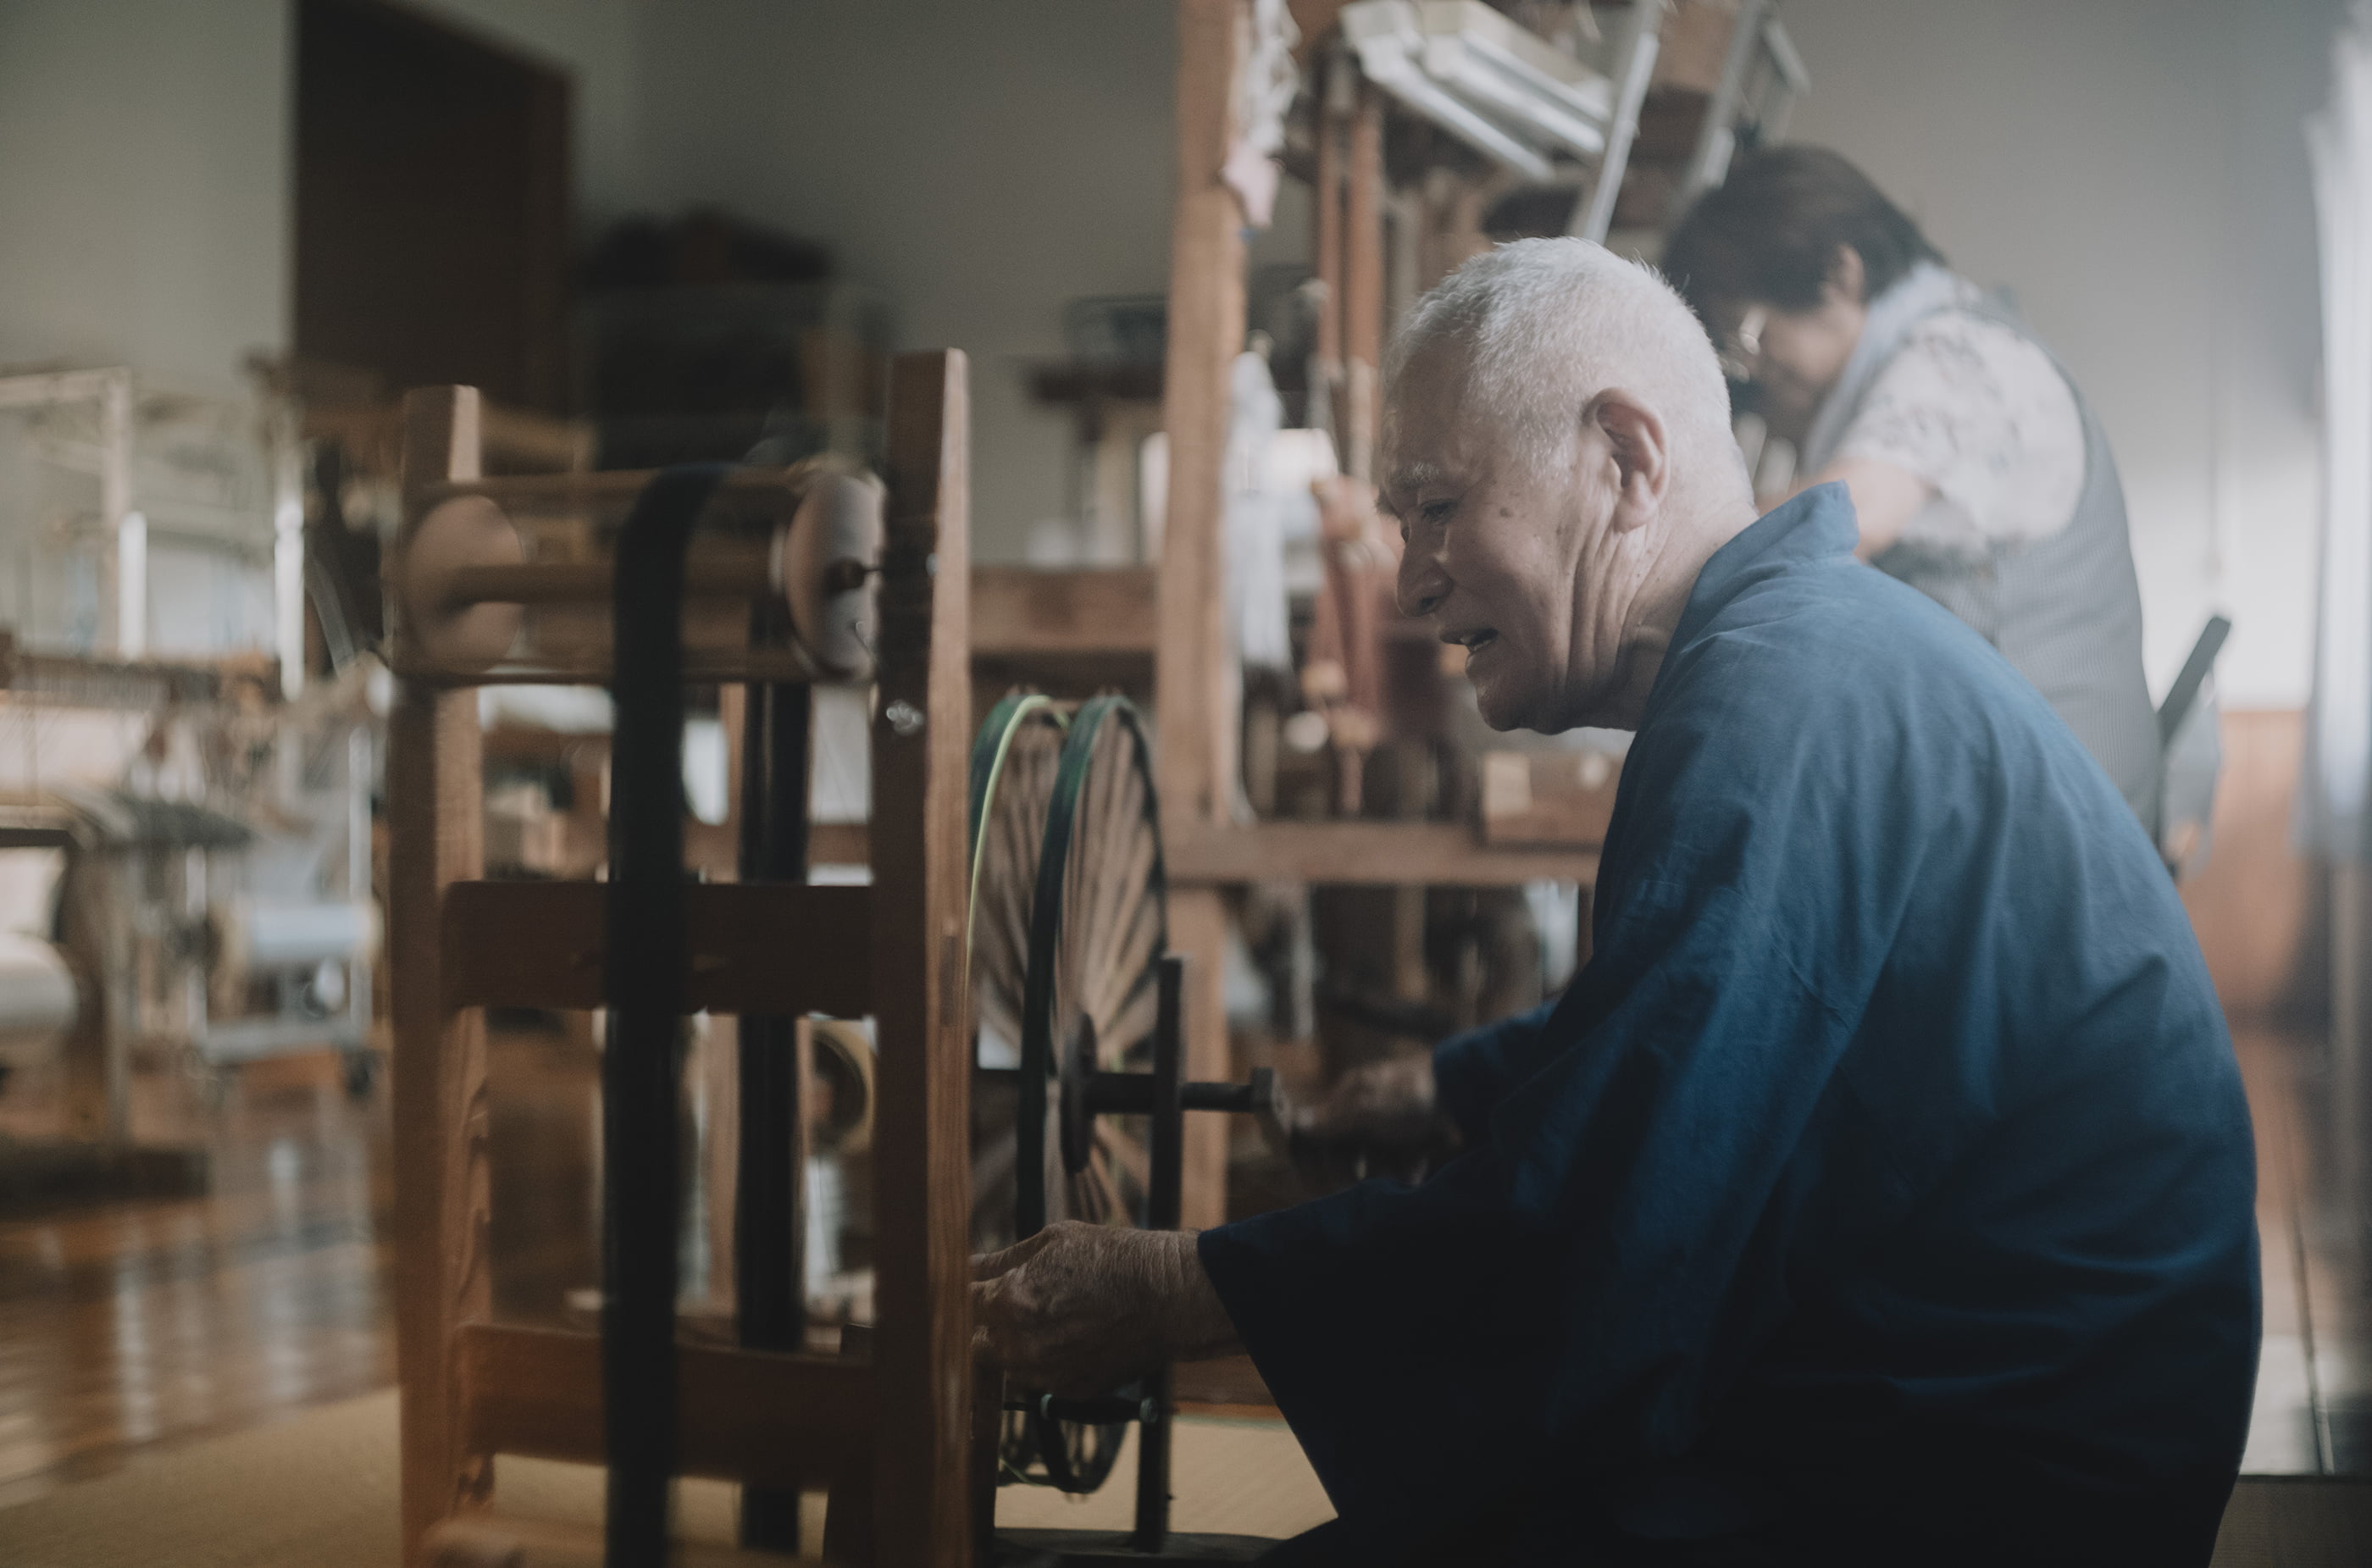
<point>1977,473</point>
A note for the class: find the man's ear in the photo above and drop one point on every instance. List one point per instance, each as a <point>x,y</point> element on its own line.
<point>1642,449</point>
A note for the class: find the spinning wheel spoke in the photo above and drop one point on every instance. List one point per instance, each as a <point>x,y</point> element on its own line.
<point>1124,1154</point>
<point>1096,1193</point>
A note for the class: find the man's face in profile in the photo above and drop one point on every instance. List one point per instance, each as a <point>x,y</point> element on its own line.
<point>1494,546</point>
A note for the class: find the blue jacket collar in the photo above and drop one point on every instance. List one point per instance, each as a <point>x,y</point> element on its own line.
<point>1816,525</point>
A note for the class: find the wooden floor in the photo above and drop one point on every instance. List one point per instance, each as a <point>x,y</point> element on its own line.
<point>2314,1378</point>
<point>130,1324</point>
<point>135,1322</point>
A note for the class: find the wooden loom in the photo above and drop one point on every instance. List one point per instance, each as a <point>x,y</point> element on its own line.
<point>891,1429</point>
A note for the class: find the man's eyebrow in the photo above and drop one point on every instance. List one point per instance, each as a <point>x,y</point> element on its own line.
<point>1415,475</point>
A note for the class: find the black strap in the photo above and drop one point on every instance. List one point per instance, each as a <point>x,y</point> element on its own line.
<point>643,980</point>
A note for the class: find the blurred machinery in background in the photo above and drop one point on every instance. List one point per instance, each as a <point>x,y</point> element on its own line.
<point>209,907</point>
<point>187,801</point>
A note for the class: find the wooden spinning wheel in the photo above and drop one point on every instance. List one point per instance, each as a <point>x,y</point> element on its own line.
<point>1068,931</point>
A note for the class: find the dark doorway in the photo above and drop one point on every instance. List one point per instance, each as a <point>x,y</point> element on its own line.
<point>432,205</point>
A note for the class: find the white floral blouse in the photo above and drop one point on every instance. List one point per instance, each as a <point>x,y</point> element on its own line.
<point>1985,417</point>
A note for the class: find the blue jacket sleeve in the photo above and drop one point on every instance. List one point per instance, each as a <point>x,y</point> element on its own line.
<point>1473,1072</point>
<point>1580,1282</point>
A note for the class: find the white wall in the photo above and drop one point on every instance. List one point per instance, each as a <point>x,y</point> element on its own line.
<point>144,185</point>
<point>2133,170</point>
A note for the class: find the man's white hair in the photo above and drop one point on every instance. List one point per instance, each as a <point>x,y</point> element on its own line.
<point>1546,325</point>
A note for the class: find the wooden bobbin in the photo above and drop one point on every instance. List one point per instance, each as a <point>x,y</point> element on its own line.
<point>464,578</point>
<point>826,560</point>
<point>446,625</point>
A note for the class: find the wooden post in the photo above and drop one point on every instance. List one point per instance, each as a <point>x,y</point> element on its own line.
<point>922,1348</point>
<point>1195,706</point>
<point>1326,197</point>
<point>1363,283</point>
<point>433,784</point>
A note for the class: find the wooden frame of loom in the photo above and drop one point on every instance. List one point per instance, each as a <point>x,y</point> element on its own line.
<point>891,1431</point>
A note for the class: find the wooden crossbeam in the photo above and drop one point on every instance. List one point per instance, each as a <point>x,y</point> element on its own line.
<point>702,667</point>
<point>756,948</point>
<point>763,1417</point>
<point>1361,853</point>
<point>525,492</point>
<point>1023,611</point>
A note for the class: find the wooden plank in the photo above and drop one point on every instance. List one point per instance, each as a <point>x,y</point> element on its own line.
<point>922,735</point>
<point>839,844</point>
<point>522,439</point>
<point>1444,854</point>
<point>765,1417</point>
<point>1022,611</point>
<point>756,948</point>
<point>1197,755</point>
<point>436,826</point>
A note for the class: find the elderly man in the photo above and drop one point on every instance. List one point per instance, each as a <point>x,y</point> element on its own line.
<point>1882,1189</point>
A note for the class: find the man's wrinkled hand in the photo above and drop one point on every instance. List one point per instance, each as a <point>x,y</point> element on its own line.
<point>1080,1309</point>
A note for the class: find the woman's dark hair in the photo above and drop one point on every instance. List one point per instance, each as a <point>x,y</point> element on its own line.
<point>1769,233</point>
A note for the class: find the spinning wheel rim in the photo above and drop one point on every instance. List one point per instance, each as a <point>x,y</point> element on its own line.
<point>989,748</point>
<point>1046,924</point>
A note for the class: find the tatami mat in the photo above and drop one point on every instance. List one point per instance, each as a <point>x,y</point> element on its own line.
<point>317,1491</point>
